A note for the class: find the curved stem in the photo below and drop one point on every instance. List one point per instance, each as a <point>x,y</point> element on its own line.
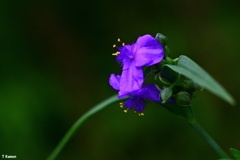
<point>209,139</point>
<point>79,123</point>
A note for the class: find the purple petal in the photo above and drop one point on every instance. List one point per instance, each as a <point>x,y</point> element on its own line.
<point>135,102</point>
<point>148,51</point>
<point>149,92</point>
<point>131,79</point>
<point>144,40</point>
<point>114,81</point>
<point>130,103</point>
<point>122,95</point>
<point>137,99</point>
<point>139,107</point>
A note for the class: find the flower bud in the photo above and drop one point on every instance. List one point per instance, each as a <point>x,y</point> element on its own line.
<point>166,50</point>
<point>197,87</point>
<point>183,98</point>
<point>188,85</point>
<point>162,39</point>
<point>165,94</point>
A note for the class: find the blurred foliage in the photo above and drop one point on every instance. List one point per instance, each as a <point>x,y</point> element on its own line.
<point>55,61</point>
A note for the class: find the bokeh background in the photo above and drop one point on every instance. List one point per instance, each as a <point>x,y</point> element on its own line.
<point>55,61</point>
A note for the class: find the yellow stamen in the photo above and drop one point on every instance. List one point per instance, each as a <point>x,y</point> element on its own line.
<point>115,54</point>
<point>125,111</point>
<point>141,114</point>
<point>114,45</point>
<point>119,40</point>
<point>123,44</point>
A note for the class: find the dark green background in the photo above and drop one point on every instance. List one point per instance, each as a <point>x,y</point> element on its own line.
<point>55,61</point>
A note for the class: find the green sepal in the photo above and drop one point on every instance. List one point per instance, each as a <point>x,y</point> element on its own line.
<point>166,93</point>
<point>169,60</point>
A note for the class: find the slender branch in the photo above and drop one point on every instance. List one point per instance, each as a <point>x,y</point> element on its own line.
<point>79,123</point>
<point>210,141</point>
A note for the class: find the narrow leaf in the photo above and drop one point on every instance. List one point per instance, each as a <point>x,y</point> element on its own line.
<point>193,71</point>
<point>235,153</point>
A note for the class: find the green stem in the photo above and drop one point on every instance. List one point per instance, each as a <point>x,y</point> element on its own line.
<point>79,123</point>
<point>210,141</point>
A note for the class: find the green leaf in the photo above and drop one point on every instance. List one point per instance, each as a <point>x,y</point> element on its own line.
<point>235,153</point>
<point>193,71</point>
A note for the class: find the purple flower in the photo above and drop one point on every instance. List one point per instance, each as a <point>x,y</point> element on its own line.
<point>146,51</point>
<point>137,98</point>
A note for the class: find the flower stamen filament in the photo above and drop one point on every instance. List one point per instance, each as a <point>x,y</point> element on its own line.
<point>119,40</point>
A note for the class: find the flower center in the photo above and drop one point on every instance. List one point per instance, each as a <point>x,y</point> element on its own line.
<point>131,57</point>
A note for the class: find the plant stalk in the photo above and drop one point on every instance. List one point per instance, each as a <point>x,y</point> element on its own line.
<point>79,123</point>
<point>209,139</point>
